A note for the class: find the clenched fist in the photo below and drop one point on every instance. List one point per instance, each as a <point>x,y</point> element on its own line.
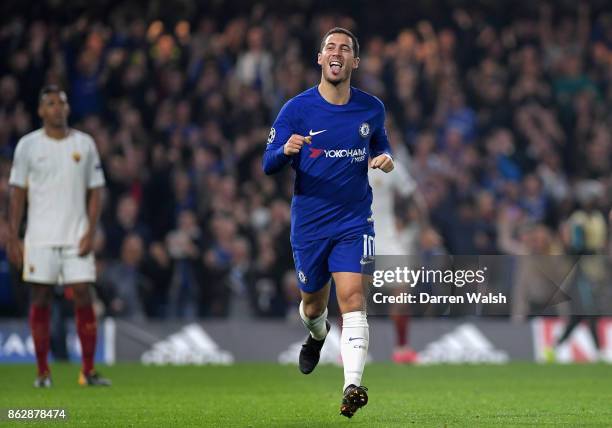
<point>294,144</point>
<point>383,162</point>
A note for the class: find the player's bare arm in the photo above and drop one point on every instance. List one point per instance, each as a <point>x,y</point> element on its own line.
<point>383,162</point>
<point>94,207</point>
<point>15,245</point>
<point>294,144</point>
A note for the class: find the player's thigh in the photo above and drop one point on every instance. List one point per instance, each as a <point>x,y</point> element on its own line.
<point>311,264</point>
<point>41,265</point>
<point>77,269</point>
<point>349,261</point>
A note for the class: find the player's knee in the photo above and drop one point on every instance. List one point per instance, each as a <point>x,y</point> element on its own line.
<point>82,294</point>
<point>313,309</point>
<point>41,295</point>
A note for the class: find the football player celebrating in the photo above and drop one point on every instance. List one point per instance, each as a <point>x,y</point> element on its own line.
<point>328,134</point>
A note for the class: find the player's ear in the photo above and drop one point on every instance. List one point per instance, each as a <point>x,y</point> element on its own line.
<point>319,58</point>
<point>40,111</point>
<point>355,63</point>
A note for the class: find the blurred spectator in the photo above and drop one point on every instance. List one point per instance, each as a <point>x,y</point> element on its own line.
<point>124,286</point>
<point>254,67</point>
<point>8,298</point>
<point>538,280</point>
<point>159,268</point>
<point>126,222</point>
<point>183,247</point>
<point>240,276</point>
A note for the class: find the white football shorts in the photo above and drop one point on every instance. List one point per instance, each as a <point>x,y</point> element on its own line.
<point>57,265</point>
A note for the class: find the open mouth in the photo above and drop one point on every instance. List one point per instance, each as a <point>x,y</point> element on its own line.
<point>335,67</point>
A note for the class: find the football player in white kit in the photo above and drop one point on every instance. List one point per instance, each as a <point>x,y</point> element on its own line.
<point>58,170</point>
<point>385,187</point>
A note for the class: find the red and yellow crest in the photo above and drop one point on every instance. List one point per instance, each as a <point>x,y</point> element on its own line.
<point>76,156</point>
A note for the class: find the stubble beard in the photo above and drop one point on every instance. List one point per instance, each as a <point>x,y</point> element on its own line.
<point>338,81</point>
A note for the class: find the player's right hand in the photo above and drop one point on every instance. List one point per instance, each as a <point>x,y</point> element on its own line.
<point>294,144</point>
<point>15,251</point>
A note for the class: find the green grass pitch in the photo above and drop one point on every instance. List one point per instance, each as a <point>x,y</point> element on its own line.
<point>268,395</point>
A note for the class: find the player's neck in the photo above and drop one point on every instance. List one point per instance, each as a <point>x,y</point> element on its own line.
<point>57,133</point>
<point>335,94</point>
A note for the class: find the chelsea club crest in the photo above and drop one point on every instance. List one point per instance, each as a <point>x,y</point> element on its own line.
<point>302,277</point>
<point>364,129</point>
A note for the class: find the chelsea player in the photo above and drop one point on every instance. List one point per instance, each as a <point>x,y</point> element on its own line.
<point>329,133</point>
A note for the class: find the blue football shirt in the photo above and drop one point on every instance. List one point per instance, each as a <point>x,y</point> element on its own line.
<point>331,195</point>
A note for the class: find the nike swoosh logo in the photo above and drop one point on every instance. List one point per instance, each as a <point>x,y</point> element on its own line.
<point>355,338</point>
<point>365,262</point>
<point>312,134</point>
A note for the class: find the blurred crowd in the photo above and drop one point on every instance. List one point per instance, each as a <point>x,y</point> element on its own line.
<point>505,124</point>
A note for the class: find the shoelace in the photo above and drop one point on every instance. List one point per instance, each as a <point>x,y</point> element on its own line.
<point>355,387</point>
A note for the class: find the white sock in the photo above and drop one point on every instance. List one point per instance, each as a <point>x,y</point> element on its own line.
<point>316,326</point>
<point>354,346</point>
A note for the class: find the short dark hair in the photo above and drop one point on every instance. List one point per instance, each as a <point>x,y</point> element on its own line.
<point>342,31</point>
<point>49,89</point>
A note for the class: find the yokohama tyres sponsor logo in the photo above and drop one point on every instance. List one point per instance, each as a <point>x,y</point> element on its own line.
<point>356,155</point>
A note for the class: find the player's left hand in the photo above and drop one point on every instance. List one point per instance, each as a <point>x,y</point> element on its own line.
<point>86,244</point>
<point>383,162</point>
